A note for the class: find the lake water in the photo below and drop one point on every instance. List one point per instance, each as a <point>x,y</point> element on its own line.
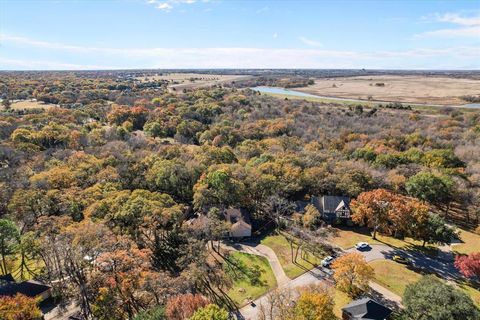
<point>472,105</point>
<point>277,90</point>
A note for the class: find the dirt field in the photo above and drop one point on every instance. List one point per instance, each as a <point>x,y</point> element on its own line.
<point>414,89</point>
<point>27,104</point>
<point>181,81</point>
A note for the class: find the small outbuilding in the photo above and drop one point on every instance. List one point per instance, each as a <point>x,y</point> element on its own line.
<point>365,309</point>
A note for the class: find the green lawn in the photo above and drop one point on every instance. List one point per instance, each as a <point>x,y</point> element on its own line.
<point>346,238</point>
<point>472,292</point>
<point>341,299</point>
<point>396,277</point>
<point>243,289</point>
<point>13,264</point>
<point>471,242</point>
<point>393,276</point>
<point>305,260</point>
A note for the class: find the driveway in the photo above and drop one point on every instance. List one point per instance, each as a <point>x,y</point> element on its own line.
<point>264,251</point>
<point>312,277</point>
<point>441,264</point>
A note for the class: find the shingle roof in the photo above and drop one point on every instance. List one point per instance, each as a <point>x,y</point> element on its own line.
<point>367,309</point>
<point>6,278</point>
<point>331,203</point>
<point>29,288</point>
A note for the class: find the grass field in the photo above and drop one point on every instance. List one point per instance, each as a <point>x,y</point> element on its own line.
<point>396,277</point>
<point>430,109</point>
<point>471,242</point>
<point>280,245</point>
<point>401,88</point>
<point>473,293</point>
<point>393,276</point>
<point>243,289</point>
<point>341,299</point>
<point>27,104</point>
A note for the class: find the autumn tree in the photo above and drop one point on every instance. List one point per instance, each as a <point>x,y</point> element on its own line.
<point>469,265</point>
<point>19,307</point>
<point>352,274</point>
<point>389,213</point>
<point>210,312</point>
<point>182,307</point>
<point>314,305</point>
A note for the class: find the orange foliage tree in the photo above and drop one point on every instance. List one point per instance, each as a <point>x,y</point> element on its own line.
<point>183,306</point>
<point>19,307</point>
<point>387,212</point>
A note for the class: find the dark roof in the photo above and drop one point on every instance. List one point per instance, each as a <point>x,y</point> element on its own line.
<point>367,309</point>
<point>300,205</point>
<point>6,278</point>
<point>330,203</point>
<point>233,215</point>
<point>29,288</point>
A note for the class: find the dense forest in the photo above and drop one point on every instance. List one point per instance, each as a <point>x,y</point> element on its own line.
<point>97,191</point>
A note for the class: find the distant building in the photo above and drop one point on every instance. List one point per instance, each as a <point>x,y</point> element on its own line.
<point>333,208</point>
<point>365,309</point>
<point>239,219</point>
<point>30,288</point>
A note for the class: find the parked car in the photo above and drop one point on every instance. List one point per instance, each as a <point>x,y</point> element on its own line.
<point>362,245</point>
<point>327,261</point>
<point>401,259</point>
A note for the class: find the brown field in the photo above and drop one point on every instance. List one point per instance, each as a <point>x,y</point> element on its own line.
<point>408,89</point>
<point>28,104</point>
<point>181,81</point>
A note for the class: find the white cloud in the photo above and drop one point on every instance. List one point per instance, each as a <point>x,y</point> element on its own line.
<point>275,35</point>
<point>473,32</point>
<point>48,65</point>
<point>310,42</point>
<point>458,19</point>
<point>466,26</point>
<point>167,5</point>
<point>421,58</point>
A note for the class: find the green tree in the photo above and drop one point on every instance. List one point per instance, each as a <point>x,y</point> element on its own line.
<point>210,312</point>
<point>430,298</point>
<point>9,236</point>
<point>434,230</point>
<point>430,187</point>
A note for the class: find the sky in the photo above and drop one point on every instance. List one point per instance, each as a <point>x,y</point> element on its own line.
<point>129,34</point>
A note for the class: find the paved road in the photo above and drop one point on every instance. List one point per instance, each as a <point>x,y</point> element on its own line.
<point>442,264</point>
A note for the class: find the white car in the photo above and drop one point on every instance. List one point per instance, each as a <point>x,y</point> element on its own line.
<point>327,261</point>
<point>361,245</point>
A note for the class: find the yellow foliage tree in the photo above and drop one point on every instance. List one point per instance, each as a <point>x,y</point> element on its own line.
<point>314,306</point>
<point>352,274</point>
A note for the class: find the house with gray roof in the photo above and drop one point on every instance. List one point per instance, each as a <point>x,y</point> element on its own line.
<point>333,208</point>
<point>365,309</point>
